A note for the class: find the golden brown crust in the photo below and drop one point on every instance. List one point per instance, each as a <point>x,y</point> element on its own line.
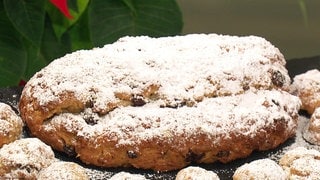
<point>162,156</point>
<point>168,153</point>
<point>10,125</point>
<point>163,112</point>
<point>40,113</point>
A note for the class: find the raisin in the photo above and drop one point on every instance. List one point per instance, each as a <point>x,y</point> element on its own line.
<point>138,101</point>
<point>277,78</point>
<point>90,104</point>
<point>90,120</point>
<point>193,157</point>
<point>223,154</point>
<point>132,154</point>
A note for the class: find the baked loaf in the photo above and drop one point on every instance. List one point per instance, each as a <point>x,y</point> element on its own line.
<point>307,87</point>
<point>63,170</point>
<point>260,169</point>
<point>312,130</point>
<point>301,163</point>
<point>161,103</point>
<point>193,173</point>
<point>24,158</point>
<point>10,125</point>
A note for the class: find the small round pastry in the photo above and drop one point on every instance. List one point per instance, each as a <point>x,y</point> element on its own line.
<point>307,87</point>
<point>10,125</point>
<point>301,163</point>
<point>63,170</point>
<point>127,176</point>
<point>193,173</point>
<point>24,158</point>
<point>312,131</point>
<point>260,169</point>
<point>163,103</point>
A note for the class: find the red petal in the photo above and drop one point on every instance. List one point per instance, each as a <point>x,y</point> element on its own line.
<point>63,7</point>
<point>22,83</point>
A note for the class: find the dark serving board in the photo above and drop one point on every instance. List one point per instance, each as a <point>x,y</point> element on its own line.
<point>225,171</point>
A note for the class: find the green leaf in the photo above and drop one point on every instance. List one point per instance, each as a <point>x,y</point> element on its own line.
<point>130,5</point>
<point>79,34</point>
<point>60,23</point>
<point>52,47</point>
<point>111,19</point>
<point>35,61</point>
<point>12,54</point>
<point>12,61</point>
<point>27,16</point>
<point>73,5</point>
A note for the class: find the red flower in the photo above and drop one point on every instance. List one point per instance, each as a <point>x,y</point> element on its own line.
<point>62,5</point>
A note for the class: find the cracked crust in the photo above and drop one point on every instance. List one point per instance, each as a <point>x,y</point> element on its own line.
<point>162,103</point>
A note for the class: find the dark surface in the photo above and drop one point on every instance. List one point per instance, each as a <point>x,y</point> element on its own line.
<point>298,66</point>
<point>225,171</point>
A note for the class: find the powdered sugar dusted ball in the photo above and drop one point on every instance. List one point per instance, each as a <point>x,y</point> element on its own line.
<point>24,158</point>
<point>301,163</point>
<point>10,125</point>
<point>307,87</point>
<point>260,169</point>
<point>63,170</point>
<point>192,173</point>
<point>127,176</point>
<point>312,130</point>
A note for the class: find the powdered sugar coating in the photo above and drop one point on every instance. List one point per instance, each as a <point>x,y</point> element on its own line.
<point>185,68</point>
<point>24,158</point>
<point>307,87</point>
<point>127,176</point>
<point>10,124</point>
<point>244,114</point>
<point>260,169</point>
<point>308,80</point>
<point>301,163</point>
<point>63,170</point>
<point>141,92</point>
<point>194,173</point>
<point>312,131</point>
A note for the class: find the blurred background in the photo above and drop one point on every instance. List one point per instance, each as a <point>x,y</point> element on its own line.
<point>291,25</point>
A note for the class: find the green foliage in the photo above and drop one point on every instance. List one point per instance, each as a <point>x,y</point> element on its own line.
<point>136,17</point>
<point>34,32</point>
